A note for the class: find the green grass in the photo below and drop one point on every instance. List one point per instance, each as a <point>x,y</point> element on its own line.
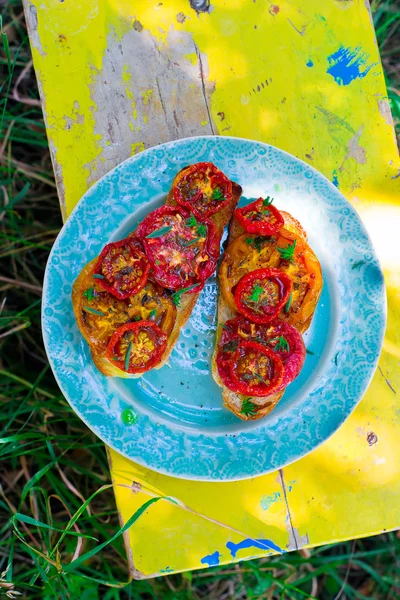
<point>51,464</point>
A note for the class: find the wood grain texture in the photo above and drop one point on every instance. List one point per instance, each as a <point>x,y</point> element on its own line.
<point>117,78</point>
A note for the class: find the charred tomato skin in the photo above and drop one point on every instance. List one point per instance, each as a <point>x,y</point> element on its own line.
<point>122,268</point>
<point>262,280</point>
<point>143,340</point>
<point>195,189</point>
<point>260,219</point>
<point>179,255</point>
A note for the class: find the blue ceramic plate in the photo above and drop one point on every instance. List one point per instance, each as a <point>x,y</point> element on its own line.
<point>172,420</point>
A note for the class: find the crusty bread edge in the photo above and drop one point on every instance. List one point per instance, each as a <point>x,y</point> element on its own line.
<point>232,400</point>
<point>188,301</point>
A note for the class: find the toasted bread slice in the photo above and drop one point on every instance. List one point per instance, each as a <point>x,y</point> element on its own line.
<point>183,312</point>
<point>232,400</point>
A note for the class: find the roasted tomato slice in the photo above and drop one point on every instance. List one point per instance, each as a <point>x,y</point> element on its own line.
<point>137,347</point>
<point>261,294</point>
<point>203,189</point>
<point>279,336</point>
<point>250,252</point>
<point>182,250</point>
<point>122,268</point>
<point>255,370</point>
<point>99,313</point>
<point>260,217</point>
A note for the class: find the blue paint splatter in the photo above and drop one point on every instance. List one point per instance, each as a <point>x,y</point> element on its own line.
<point>266,501</point>
<point>167,570</point>
<point>250,543</point>
<point>335,179</point>
<point>309,63</point>
<point>211,559</point>
<point>347,64</point>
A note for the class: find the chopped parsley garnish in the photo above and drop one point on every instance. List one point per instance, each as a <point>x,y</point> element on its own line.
<point>97,276</point>
<point>159,232</point>
<point>201,228</point>
<point>191,221</point>
<point>89,294</point>
<point>282,345</point>
<point>248,408</point>
<point>95,312</point>
<point>256,293</point>
<point>177,296</point>
<point>358,264</point>
<point>153,313</point>
<point>288,252</point>
<point>217,194</point>
<point>288,303</point>
<point>128,355</point>
<point>268,200</point>
<point>137,318</point>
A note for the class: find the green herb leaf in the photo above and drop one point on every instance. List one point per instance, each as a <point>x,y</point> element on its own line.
<point>309,352</point>
<point>248,408</point>
<point>153,313</point>
<point>191,242</point>
<point>115,358</point>
<point>256,293</point>
<point>358,264</point>
<point>128,355</point>
<point>97,276</point>
<point>137,318</point>
<point>159,232</point>
<point>94,312</point>
<point>268,200</point>
<point>282,345</point>
<point>288,303</point>
<point>191,221</point>
<point>288,252</point>
<point>217,194</point>
<point>249,240</point>
<point>89,294</point>
<point>177,296</point>
<point>202,230</point>
<point>158,262</point>
<point>260,378</point>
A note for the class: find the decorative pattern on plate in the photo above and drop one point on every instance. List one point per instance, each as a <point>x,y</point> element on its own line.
<point>181,428</point>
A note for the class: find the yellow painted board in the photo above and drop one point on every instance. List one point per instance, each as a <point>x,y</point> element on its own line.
<point>117,77</point>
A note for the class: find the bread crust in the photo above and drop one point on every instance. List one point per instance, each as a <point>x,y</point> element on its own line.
<point>188,301</point>
<point>232,400</point>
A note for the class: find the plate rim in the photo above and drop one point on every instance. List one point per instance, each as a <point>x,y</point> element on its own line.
<point>186,476</point>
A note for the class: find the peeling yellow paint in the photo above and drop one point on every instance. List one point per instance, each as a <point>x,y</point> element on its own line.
<point>138,147</point>
<point>192,58</point>
<point>146,96</point>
